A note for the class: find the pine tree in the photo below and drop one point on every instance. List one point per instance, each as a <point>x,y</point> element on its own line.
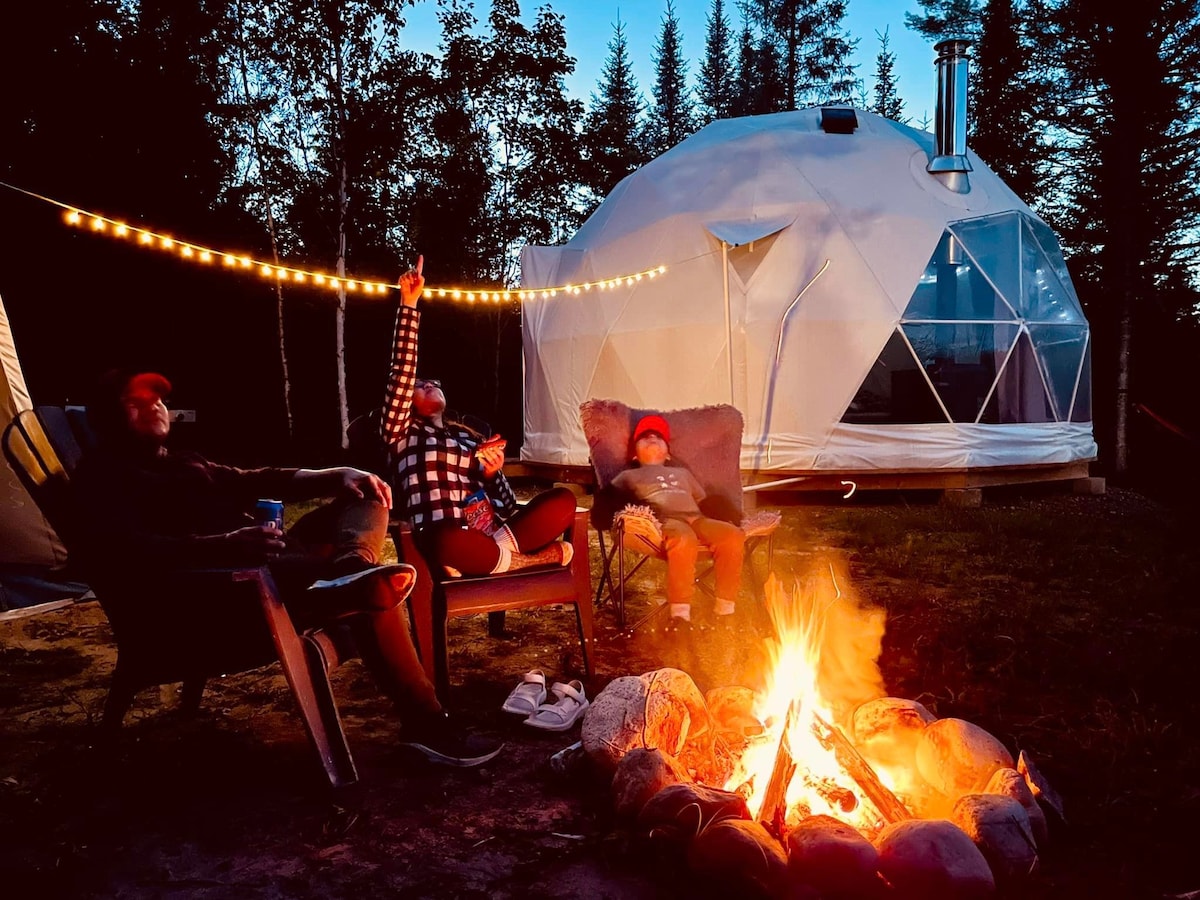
<point>1126,104</point>
<point>887,100</point>
<point>671,116</point>
<point>614,137</point>
<point>745,84</point>
<point>717,90</point>
<point>812,48</point>
<point>1003,98</point>
<point>948,18</point>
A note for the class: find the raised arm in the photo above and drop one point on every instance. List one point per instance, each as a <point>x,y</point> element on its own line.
<point>397,404</point>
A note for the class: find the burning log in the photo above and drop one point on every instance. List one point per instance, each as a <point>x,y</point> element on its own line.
<point>831,738</point>
<point>773,811</point>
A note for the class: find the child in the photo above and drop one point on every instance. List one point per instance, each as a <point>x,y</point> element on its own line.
<point>674,494</point>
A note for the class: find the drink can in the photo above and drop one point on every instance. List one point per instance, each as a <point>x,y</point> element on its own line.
<point>269,512</point>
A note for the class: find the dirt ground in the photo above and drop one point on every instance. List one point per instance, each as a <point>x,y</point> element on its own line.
<point>1065,625</point>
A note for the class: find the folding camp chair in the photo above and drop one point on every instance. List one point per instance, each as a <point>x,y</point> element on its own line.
<point>708,441</point>
<point>187,626</point>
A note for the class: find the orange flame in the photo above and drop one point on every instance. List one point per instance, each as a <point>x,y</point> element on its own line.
<point>824,661</point>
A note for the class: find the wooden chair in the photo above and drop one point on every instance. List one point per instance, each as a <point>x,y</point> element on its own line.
<point>437,598</point>
<point>186,626</point>
<point>708,441</point>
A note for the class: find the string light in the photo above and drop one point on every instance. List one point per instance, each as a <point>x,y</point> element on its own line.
<point>197,253</point>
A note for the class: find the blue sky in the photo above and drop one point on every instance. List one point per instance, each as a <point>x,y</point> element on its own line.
<point>590,26</point>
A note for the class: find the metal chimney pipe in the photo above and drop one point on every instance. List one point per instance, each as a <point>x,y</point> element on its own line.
<point>950,163</point>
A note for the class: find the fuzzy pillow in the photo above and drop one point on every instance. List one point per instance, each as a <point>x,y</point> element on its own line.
<point>707,439</point>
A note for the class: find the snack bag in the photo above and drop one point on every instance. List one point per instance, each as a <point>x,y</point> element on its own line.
<point>479,513</point>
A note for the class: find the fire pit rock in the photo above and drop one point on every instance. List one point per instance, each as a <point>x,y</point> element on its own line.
<point>1000,829</point>
<point>832,857</point>
<point>679,812</point>
<point>886,731</point>
<point>958,757</point>
<point>1011,783</point>
<point>663,710</point>
<point>642,773</point>
<point>741,856</point>
<point>927,858</point>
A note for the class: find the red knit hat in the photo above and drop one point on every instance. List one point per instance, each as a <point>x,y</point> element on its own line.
<point>652,423</point>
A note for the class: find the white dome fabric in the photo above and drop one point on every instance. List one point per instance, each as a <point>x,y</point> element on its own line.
<point>818,282</point>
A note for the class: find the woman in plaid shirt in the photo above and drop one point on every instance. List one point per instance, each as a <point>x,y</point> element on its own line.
<point>448,480</point>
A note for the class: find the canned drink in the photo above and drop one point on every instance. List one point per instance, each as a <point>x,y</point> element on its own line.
<point>269,512</point>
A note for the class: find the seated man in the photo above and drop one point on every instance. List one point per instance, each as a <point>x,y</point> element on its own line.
<point>142,505</point>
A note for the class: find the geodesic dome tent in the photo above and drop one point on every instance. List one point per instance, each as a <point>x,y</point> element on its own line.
<point>862,313</point>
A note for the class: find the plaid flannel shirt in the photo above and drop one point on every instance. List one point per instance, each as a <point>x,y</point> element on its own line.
<point>434,469</point>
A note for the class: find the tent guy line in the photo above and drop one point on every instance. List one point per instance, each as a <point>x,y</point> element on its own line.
<point>193,252</point>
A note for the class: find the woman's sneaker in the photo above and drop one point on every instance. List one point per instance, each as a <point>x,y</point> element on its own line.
<point>445,742</point>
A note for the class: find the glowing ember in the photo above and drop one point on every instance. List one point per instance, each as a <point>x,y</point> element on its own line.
<point>823,663</point>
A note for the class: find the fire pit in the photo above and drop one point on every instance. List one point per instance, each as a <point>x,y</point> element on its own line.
<point>818,783</point>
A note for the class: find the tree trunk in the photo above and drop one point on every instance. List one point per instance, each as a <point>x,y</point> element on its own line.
<point>262,169</point>
<point>1121,421</point>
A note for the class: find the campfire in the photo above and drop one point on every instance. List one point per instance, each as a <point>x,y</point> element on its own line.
<point>819,780</point>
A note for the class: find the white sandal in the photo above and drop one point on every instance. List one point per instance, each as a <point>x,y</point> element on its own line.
<point>569,705</point>
<point>527,696</point>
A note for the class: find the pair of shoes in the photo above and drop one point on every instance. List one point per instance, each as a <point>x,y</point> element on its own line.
<point>527,696</point>
<point>678,629</point>
<point>444,741</point>
<point>568,706</point>
<point>356,570</point>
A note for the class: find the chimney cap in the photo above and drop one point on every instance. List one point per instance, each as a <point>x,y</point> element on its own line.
<point>951,47</point>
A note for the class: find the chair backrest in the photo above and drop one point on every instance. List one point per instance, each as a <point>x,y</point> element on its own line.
<point>44,446</point>
<point>708,440</point>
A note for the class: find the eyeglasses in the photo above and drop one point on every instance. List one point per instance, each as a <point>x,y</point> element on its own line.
<point>427,383</point>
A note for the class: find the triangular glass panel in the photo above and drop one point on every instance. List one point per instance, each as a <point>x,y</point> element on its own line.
<point>1020,394</point>
<point>895,392</point>
<point>1060,349</point>
<point>746,258</point>
<point>952,287</point>
<point>1047,293</point>
<point>994,245</point>
<point>1081,409</point>
<point>961,359</point>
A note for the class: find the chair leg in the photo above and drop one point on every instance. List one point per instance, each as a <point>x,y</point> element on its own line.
<point>322,656</point>
<point>619,549</point>
<point>440,646</point>
<point>605,570</point>
<point>120,698</point>
<point>324,731</point>
<point>583,618</point>
<point>496,624</point>
<point>193,691</point>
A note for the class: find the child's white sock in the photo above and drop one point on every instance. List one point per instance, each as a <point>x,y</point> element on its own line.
<point>504,562</point>
<point>723,607</point>
<point>504,537</point>
<point>681,611</point>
